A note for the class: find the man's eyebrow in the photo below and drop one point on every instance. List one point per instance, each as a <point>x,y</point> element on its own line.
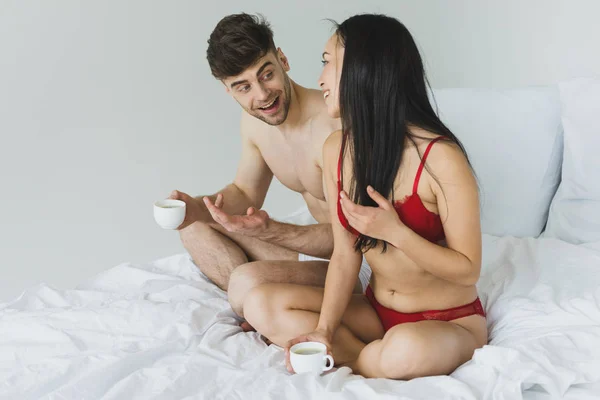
<point>238,83</point>
<point>265,65</point>
<point>260,70</point>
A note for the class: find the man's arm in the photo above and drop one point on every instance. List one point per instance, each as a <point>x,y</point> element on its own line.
<point>253,176</point>
<point>317,239</point>
<point>314,240</point>
<point>251,183</point>
<point>248,189</point>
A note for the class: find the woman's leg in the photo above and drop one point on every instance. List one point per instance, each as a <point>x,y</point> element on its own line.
<point>282,312</point>
<point>421,349</point>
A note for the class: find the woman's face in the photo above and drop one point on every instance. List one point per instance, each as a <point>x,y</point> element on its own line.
<point>329,81</point>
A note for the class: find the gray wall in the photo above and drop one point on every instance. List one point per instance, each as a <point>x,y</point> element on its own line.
<point>106,106</point>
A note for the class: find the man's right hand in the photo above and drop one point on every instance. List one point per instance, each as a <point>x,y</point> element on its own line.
<point>194,209</point>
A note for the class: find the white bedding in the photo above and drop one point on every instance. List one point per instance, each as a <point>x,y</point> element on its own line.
<point>162,331</point>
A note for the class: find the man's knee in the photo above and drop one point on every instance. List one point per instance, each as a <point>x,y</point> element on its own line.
<point>194,231</point>
<point>242,280</point>
<point>212,252</point>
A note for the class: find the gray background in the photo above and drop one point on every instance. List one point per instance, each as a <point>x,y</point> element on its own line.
<point>106,106</point>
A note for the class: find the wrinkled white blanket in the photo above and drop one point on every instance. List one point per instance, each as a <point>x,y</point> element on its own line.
<point>162,331</point>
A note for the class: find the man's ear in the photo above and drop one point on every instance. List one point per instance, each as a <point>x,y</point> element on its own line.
<point>283,60</point>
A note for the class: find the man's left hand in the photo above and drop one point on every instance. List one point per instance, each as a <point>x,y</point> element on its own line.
<point>252,224</point>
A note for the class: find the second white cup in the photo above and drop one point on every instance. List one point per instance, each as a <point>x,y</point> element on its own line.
<point>310,357</point>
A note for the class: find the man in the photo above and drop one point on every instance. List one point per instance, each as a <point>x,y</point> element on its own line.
<point>283,128</point>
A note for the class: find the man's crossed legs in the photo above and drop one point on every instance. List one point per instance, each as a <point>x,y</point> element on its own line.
<point>238,263</point>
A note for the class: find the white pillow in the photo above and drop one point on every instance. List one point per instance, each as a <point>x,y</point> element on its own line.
<point>575,211</point>
<point>513,139</point>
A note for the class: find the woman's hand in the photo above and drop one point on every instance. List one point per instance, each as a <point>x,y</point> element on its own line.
<point>315,336</point>
<point>380,222</point>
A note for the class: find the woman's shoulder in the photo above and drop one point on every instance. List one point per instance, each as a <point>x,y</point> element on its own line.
<point>335,138</point>
<point>331,150</point>
<point>442,148</point>
<point>445,156</point>
<point>333,142</point>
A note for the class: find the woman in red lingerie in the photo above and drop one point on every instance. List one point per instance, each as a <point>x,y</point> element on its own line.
<point>402,192</point>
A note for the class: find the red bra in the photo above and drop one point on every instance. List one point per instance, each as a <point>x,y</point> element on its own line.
<point>411,210</point>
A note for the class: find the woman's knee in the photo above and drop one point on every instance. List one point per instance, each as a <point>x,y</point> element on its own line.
<point>260,309</point>
<point>402,353</point>
<point>242,280</point>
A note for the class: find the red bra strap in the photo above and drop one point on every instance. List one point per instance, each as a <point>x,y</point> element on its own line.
<point>420,170</point>
<point>339,171</point>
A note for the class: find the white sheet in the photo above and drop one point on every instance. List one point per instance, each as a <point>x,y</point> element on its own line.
<point>162,331</point>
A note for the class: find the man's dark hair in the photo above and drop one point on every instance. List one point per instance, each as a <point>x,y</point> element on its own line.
<point>237,42</point>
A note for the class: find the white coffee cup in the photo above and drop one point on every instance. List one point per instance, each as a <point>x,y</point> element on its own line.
<point>310,357</point>
<point>169,213</point>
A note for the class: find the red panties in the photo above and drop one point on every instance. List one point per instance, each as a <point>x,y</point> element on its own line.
<point>390,318</point>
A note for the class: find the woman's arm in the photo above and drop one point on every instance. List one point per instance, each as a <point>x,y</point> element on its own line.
<point>458,204</point>
<point>345,261</point>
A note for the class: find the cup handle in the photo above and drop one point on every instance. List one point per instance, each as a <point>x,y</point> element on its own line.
<point>326,358</point>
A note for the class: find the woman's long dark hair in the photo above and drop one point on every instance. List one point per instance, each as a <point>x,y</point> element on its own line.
<point>383,88</point>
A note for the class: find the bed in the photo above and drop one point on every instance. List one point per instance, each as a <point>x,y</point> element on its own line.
<point>163,331</point>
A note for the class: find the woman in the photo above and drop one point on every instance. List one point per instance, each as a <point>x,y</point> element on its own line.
<point>401,191</point>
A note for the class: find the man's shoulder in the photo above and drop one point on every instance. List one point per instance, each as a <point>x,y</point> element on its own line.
<point>320,117</point>
<point>325,124</point>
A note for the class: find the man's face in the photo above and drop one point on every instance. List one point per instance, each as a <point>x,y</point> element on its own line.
<point>264,89</point>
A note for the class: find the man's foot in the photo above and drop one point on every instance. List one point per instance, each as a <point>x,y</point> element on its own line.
<point>246,327</point>
<point>351,365</point>
<point>267,341</point>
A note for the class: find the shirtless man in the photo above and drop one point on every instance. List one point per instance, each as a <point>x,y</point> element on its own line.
<point>283,128</point>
